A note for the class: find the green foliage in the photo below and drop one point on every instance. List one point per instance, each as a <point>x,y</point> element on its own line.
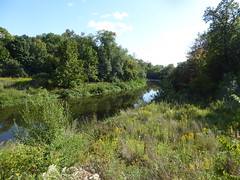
<point>19,161</point>
<point>45,118</point>
<point>130,69</point>
<point>213,58</point>
<point>68,60</point>
<point>228,86</point>
<point>236,98</point>
<point>157,141</point>
<point>70,70</point>
<point>11,96</point>
<point>100,88</point>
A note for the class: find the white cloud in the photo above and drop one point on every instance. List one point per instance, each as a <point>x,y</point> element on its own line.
<point>116,15</point>
<point>70,4</point>
<point>102,25</point>
<point>120,15</point>
<point>95,13</point>
<point>110,26</point>
<point>106,15</point>
<point>123,27</point>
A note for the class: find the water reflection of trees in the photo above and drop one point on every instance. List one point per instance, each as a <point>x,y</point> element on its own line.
<point>7,117</point>
<point>108,105</point>
<point>86,107</point>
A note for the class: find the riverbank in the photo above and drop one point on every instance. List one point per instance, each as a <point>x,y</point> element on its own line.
<point>15,91</point>
<point>157,141</point>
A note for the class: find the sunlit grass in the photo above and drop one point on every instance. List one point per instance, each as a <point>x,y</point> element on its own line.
<point>10,79</point>
<point>157,141</point>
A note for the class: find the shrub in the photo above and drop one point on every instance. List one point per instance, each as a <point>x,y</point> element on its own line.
<point>45,118</point>
<point>18,161</point>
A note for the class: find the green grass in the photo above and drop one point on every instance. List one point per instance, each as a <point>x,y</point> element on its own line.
<point>100,88</point>
<point>157,141</point>
<point>19,90</point>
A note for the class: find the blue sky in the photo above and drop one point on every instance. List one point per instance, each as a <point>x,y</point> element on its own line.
<point>158,31</point>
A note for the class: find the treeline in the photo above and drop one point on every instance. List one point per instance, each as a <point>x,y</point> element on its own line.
<point>212,69</point>
<point>68,59</point>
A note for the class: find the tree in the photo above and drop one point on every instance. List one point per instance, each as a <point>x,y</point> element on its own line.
<point>117,63</point>
<point>89,57</point>
<point>5,36</point>
<point>224,39</point>
<point>38,56</point>
<point>69,73</point>
<point>19,50</point>
<point>106,41</point>
<point>130,69</point>
<point>52,42</point>
<point>69,34</point>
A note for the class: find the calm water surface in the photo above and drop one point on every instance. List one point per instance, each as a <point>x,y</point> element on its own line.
<point>86,107</point>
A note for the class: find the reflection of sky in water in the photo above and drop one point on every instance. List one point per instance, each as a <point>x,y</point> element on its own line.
<point>149,96</point>
<point>10,133</point>
<point>100,106</point>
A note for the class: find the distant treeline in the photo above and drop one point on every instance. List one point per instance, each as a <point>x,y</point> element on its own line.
<point>69,59</point>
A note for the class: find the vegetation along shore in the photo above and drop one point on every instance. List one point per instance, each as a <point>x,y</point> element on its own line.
<point>190,132</point>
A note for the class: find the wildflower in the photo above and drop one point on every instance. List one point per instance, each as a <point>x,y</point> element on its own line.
<point>191,166</point>
<point>207,163</point>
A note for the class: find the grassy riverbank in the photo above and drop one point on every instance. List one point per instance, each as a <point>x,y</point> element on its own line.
<point>157,141</point>
<point>20,90</point>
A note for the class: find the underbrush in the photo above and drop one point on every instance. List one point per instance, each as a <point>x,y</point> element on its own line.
<point>9,94</point>
<point>157,141</point>
<point>100,88</point>
<point>19,90</point>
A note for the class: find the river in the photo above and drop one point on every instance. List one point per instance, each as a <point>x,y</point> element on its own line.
<point>85,108</point>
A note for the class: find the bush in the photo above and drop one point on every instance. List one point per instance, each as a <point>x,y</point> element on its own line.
<point>18,161</point>
<point>45,118</point>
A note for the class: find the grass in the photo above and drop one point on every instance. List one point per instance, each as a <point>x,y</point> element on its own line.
<point>19,90</point>
<point>9,94</point>
<point>100,88</point>
<point>157,141</point>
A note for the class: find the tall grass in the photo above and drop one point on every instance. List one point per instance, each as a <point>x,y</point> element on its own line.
<point>157,141</point>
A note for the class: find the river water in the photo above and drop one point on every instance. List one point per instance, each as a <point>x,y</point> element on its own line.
<point>84,108</point>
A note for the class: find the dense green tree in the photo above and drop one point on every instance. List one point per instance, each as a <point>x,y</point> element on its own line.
<point>142,68</point>
<point>19,50</point>
<point>130,69</point>
<point>69,34</point>
<point>89,57</point>
<point>224,39</point>
<point>38,55</point>
<point>154,72</point>
<point>4,57</point>
<point>68,59</point>
<point>117,63</point>
<point>52,42</point>
<point>69,73</point>
<point>12,68</point>
<point>5,37</point>
<point>106,41</point>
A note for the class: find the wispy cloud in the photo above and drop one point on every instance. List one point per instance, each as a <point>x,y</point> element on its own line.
<point>110,26</point>
<point>116,15</point>
<point>106,15</point>
<point>95,13</point>
<point>120,15</point>
<point>70,4</point>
